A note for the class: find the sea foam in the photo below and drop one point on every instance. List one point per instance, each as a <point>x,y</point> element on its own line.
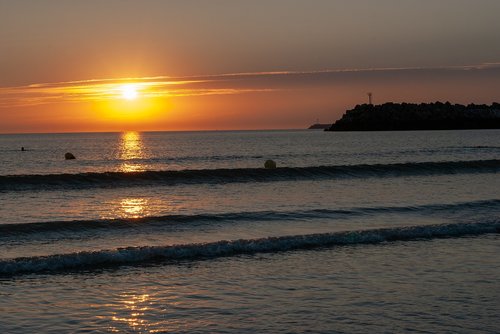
<point>144,254</point>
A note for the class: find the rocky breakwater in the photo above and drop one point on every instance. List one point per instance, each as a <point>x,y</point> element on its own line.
<point>424,116</point>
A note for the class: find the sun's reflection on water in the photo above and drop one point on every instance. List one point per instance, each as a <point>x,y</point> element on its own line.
<point>133,207</point>
<point>131,148</point>
<point>161,308</point>
<point>135,307</point>
<point>130,206</point>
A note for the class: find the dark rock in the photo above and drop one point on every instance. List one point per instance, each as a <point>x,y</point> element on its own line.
<point>270,164</point>
<point>69,156</point>
<point>424,116</point>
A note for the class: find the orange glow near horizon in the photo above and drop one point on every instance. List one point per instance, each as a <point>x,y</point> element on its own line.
<point>129,111</point>
<point>260,100</point>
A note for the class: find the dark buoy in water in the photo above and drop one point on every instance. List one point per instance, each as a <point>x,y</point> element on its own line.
<point>69,156</point>
<point>22,148</point>
<point>270,164</point>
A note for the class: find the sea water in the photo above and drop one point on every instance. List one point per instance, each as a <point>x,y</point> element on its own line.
<point>187,232</point>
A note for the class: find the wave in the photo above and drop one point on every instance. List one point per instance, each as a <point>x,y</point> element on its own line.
<point>145,254</point>
<point>78,226</point>
<point>218,176</point>
<point>483,147</point>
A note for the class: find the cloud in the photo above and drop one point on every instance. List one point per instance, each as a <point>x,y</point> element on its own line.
<point>217,84</point>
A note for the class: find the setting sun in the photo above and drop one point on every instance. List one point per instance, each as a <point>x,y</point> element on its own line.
<point>129,92</point>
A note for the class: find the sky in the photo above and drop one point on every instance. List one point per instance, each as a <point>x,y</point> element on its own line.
<point>228,64</point>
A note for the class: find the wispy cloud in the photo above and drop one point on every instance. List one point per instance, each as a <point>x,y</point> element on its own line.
<point>202,85</point>
<point>109,89</point>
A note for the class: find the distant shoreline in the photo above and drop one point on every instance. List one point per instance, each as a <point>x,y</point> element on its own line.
<point>414,117</point>
<point>319,126</point>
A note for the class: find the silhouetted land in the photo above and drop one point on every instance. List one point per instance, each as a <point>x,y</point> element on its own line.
<point>424,116</point>
<point>319,126</point>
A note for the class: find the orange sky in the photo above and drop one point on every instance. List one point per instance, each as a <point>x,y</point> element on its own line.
<point>235,64</point>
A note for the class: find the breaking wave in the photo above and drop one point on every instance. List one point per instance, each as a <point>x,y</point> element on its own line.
<point>218,176</point>
<point>145,254</point>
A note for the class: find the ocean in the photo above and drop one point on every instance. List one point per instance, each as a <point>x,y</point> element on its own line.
<point>186,232</point>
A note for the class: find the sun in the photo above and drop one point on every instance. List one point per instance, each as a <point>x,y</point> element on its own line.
<point>129,92</point>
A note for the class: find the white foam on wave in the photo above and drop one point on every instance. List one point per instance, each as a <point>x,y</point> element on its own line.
<point>131,255</point>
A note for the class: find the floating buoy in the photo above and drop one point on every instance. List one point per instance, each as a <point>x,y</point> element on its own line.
<point>69,156</point>
<point>270,164</point>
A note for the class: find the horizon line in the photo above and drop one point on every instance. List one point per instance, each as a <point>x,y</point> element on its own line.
<point>143,131</point>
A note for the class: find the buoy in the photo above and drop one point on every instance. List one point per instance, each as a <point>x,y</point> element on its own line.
<point>270,164</point>
<point>22,148</point>
<point>69,156</point>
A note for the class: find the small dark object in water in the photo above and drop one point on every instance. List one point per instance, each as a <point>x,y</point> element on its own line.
<point>270,164</point>
<point>69,156</point>
<point>22,148</point>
